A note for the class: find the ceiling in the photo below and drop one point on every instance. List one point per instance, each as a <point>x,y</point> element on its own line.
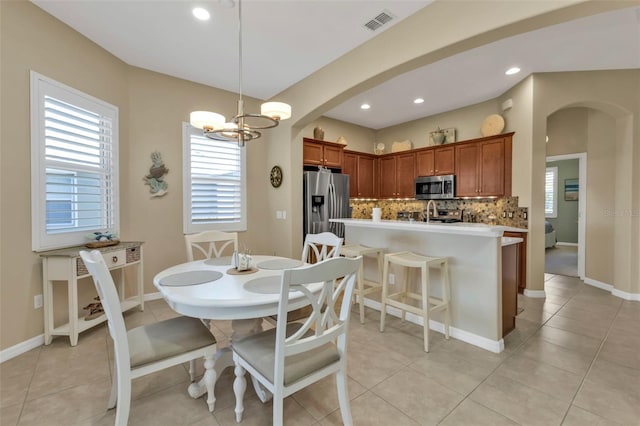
<point>305,35</point>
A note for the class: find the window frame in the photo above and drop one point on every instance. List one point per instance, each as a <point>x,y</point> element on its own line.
<point>41,239</point>
<point>554,212</point>
<point>188,226</point>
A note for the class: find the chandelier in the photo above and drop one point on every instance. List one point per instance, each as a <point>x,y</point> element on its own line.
<point>243,127</point>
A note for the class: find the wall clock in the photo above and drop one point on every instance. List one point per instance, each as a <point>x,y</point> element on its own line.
<point>276,176</point>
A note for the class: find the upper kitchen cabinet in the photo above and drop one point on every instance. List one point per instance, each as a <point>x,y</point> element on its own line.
<point>321,153</point>
<point>397,175</point>
<point>483,167</point>
<point>361,170</point>
<point>435,161</point>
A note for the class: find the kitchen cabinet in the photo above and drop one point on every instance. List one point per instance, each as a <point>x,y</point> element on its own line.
<point>362,172</point>
<point>509,287</point>
<point>397,175</point>
<point>435,161</point>
<point>483,167</point>
<point>321,153</point>
<point>522,258</point>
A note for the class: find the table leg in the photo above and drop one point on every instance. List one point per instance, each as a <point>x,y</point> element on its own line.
<point>243,328</point>
<point>223,359</point>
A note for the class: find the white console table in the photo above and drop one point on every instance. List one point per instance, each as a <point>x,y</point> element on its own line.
<point>67,265</point>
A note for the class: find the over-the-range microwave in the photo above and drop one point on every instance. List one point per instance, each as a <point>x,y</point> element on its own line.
<point>435,187</point>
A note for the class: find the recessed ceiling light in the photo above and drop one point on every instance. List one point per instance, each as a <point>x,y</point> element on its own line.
<point>365,106</point>
<point>201,14</point>
<point>512,71</point>
<point>418,101</point>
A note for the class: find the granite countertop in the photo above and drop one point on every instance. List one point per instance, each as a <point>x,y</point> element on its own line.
<point>460,228</point>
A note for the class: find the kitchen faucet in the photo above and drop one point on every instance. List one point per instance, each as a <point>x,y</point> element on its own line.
<point>435,209</point>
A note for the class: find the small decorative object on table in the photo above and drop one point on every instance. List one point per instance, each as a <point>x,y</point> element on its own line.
<point>102,239</point>
<point>241,264</point>
<point>155,178</point>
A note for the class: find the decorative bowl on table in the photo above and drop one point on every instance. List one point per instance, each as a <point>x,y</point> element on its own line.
<point>102,239</point>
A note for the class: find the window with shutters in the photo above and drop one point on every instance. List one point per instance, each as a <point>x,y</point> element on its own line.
<point>214,183</point>
<point>74,165</point>
<point>551,192</point>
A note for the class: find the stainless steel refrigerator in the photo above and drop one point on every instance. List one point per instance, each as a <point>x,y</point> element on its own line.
<point>326,196</point>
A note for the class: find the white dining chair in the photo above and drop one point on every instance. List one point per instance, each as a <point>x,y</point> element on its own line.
<point>210,243</point>
<point>294,355</point>
<point>317,247</point>
<point>149,348</point>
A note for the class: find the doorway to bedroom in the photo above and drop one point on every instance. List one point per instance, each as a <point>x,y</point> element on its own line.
<point>564,222</point>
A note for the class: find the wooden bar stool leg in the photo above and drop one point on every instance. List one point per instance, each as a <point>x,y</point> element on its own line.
<point>405,290</point>
<point>385,286</point>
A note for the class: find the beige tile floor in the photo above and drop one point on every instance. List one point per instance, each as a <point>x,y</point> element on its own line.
<point>574,359</point>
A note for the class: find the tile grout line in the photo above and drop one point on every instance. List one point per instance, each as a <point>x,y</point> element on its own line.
<point>595,357</point>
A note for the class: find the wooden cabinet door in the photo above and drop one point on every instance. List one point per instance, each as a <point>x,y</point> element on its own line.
<point>405,175</point>
<point>425,163</point>
<point>444,161</point>
<point>388,177</point>
<point>366,176</point>
<point>333,156</point>
<point>491,168</point>
<point>350,167</point>
<point>312,154</point>
<point>466,170</point>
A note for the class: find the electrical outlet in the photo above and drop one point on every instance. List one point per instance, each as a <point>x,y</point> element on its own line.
<point>37,301</point>
<point>392,279</point>
<point>510,215</point>
<point>524,215</point>
<point>504,214</point>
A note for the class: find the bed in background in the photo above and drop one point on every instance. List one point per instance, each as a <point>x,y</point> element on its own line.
<point>549,235</point>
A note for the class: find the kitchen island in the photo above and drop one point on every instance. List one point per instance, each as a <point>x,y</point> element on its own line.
<point>475,267</point>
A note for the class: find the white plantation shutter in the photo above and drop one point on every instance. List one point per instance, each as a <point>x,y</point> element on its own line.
<point>74,165</point>
<point>214,183</point>
<point>551,192</point>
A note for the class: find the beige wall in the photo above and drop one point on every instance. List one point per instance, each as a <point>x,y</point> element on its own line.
<point>466,121</point>
<point>359,138</point>
<point>612,144</point>
<point>151,109</point>
<point>576,130</point>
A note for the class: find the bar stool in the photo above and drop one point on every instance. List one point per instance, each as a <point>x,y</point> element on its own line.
<point>428,303</point>
<point>364,286</point>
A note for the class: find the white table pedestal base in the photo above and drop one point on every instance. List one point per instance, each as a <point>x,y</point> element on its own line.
<point>224,359</point>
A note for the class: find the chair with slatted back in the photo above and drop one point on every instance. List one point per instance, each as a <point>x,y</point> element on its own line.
<point>210,244</point>
<point>149,348</point>
<point>295,355</point>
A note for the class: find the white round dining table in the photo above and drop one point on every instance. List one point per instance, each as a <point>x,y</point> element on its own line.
<point>213,290</point>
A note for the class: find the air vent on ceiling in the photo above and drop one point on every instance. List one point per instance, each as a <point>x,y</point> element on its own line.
<point>381,19</point>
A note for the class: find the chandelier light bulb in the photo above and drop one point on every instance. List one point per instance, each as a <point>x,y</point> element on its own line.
<point>207,120</point>
<point>276,110</point>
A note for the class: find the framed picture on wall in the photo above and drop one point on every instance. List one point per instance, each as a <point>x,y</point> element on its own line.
<point>571,188</point>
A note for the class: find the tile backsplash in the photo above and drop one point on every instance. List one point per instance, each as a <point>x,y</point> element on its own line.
<point>490,211</point>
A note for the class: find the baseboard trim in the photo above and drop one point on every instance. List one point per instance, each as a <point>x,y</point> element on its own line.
<point>614,291</point>
<point>598,284</point>
<point>152,296</point>
<point>34,342</point>
<point>626,296</point>
<point>559,243</point>
<point>495,346</point>
<point>537,294</point>
<point>21,348</point>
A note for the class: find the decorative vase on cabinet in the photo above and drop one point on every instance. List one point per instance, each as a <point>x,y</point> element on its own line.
<point>318,133</point>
